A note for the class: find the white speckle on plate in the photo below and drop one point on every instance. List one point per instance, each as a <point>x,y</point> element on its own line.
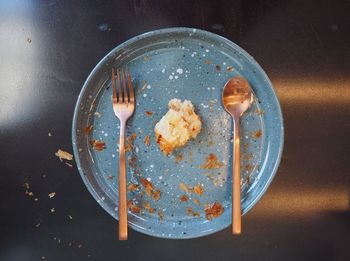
<point>179,71</point>
<point>148,86</point>
<point>207,50</point>
<point>224,63</point>
<point>160,177</point>
<point>149,179</point>
<point>163,71</point>
<point>171,77</point>
<point>176,77</point>
<point>106,134</point>
<point>176,91</point>
<point>208,89</point>
<point>213,88</point>
<point>137,149</point>
<point>113,155</point>
<point>152,166</point>
<point>194,30</point>
<point>203,55</point>
<point>145,95</point>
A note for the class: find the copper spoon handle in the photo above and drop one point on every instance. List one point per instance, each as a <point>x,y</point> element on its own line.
<point>236,180</point>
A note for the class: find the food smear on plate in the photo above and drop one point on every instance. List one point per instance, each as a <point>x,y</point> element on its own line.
<point>192,213</point>
<point>178,126</point>
<point>213,210</point>
<point>130,142</point>
<point>88,129</point>
<point>212,162</point>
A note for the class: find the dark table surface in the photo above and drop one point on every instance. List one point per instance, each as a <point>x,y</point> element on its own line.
<point>47,49</point>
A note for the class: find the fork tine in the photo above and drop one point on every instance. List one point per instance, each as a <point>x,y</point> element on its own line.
<point>126,95</point>
<point>131,89</point>
<point>120,94</point>
<point>114,87</point>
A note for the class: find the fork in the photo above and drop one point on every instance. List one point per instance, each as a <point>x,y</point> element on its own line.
<point>123,107</point>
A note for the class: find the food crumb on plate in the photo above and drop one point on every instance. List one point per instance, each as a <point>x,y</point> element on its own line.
<point>198,190</point>
<point>149,113</point>
<point>184,188</point>
<point>156,194</point>
<point>213,210</point>
<point>179,158</point>
<point>257,134</point>
<point>196,201</point>
<point>183,198</point>
<point>160,215</point>
<point>192,213</point>
<point>98,145</point>
<point>133,187</point>
<point>212,162</point>
<point>147,185</point>
<point>52,194</point>
<point>133,207</point>
<point>147,206</point>
<point>147,140</point>
<point>230,68</point>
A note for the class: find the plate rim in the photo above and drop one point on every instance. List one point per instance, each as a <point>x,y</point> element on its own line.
<point>165,31</point>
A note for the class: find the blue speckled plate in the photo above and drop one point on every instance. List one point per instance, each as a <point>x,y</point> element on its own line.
<point>186,64</point>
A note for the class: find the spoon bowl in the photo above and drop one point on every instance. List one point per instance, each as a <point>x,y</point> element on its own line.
<point>237,96</point>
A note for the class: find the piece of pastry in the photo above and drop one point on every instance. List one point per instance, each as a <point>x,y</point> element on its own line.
<point>178,126</point>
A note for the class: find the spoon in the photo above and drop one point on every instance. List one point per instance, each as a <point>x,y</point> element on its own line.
<point>236,98</point>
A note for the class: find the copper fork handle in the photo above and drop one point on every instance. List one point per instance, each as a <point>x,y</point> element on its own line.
<point>123,218</point>
<point>236,180</point>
